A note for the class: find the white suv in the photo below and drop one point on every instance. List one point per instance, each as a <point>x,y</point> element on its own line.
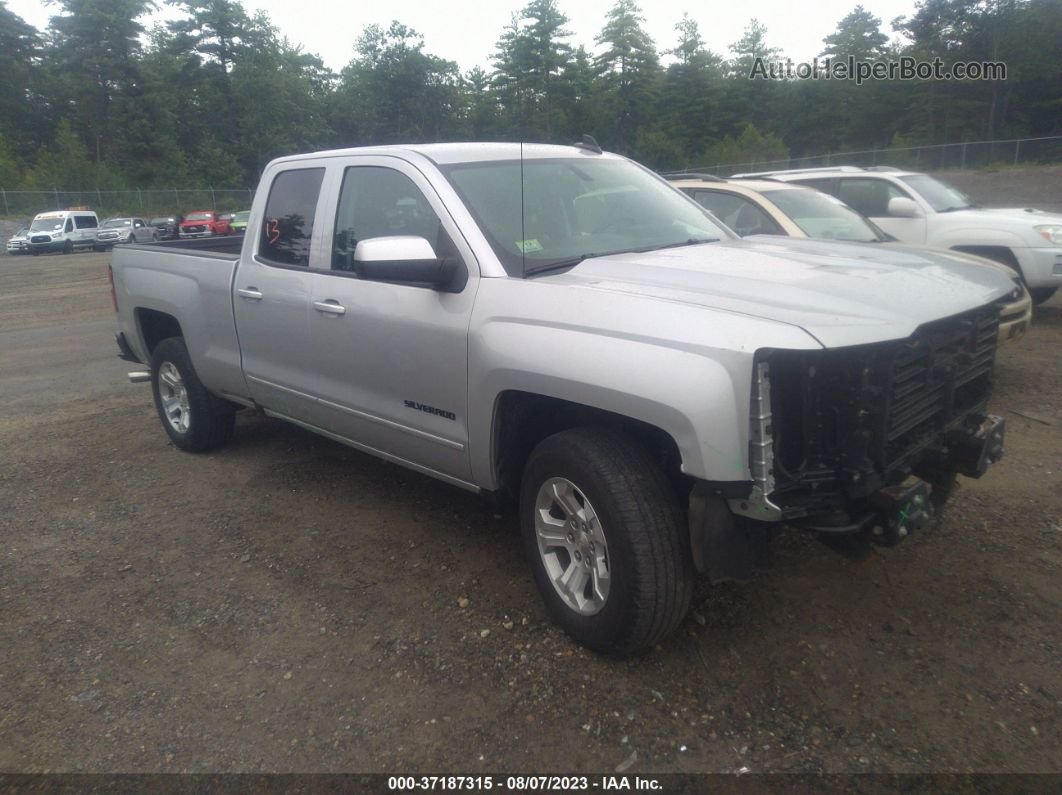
<point>919,209</point>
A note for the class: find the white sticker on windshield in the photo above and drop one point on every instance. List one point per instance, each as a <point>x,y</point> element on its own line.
<point>528,246</point>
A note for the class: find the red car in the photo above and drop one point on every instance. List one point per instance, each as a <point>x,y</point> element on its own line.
<point>204,223</point>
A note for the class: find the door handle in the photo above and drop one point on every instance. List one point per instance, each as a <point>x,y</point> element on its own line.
<point>329,307</point>
<point>250,293</point>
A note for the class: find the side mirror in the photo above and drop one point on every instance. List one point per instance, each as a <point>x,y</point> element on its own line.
<point>902,207</point>
<point>404,259</point>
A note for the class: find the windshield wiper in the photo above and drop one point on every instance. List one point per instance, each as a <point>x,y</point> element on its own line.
<point>957,207</point>
<point>564,263</point>
<point>573,261</point>
<point>693,241</point>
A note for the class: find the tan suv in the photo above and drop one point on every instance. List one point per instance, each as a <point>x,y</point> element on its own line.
<point>767,207</point>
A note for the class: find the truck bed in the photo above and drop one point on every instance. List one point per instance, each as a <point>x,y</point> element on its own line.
<point>224,244</point>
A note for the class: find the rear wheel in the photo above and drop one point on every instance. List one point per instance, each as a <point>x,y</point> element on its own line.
<point>194,419</point>
<point>605,535</point>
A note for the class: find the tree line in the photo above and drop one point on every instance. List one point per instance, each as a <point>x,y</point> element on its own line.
<point>98,100</point>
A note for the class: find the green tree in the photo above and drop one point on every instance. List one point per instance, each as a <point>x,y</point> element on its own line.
<point>750,99</point>
<point>748,149</point>
<point>394,91</point>
<point>92,58</point>
<point>545,54</point>
<point>280,97</point>
<point>859,35</point>
<point>690,94</point>
<point>20,52</point>
<point>629,70</point>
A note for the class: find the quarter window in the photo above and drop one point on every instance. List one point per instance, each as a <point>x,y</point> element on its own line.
<point>287,227</point>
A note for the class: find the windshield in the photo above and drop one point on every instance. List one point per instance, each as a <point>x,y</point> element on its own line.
<point>113,223</point>
<point>161,220</point>
<point>823,217</point>
<point>242,216</point>
<point>47,225</point>
<point>942,198</point>
<point>575,208</point>
<point>199,217</point>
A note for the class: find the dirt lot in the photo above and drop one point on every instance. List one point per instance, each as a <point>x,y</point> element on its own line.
<point>288,604</point>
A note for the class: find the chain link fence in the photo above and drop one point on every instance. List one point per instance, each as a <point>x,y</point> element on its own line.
<point>934,157</point>
<point>107,203</point>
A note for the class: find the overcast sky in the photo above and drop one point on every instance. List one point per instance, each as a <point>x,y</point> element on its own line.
<point>466,32</point>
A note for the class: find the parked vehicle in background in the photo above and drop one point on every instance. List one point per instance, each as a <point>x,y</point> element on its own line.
<point>18,243</point>
<point>919,209</point>
<point>768,207</point>
<point>124,230</point>
<point>238,224</point>
<point>62,230</point>
<point>204,223</point>
<point>169,226</point>
<point>558,326</point>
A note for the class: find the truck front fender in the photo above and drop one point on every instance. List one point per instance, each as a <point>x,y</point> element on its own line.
<point>700,404</point>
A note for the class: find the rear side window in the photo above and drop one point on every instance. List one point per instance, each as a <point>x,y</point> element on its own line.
<point>85,221</point>
<point>288,223</point>
<point>737,212</point>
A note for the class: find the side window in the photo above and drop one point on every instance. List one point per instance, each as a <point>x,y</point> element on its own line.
<point>85,221</point>
<point>868,195</point>
<point>287,227</point>
<point>69,225</point>
<point>737,212</point>
<point>825,185</point>
<point>381,202</point>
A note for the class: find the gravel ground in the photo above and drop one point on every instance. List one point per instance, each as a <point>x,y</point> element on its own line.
<point>288,604</point>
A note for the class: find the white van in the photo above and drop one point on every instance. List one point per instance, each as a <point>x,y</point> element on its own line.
<point>63,230</point>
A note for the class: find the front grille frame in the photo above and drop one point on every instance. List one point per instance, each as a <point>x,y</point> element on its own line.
<point>849,421</point>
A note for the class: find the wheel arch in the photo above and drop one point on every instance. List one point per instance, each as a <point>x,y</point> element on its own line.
<point>154,326</point>
<point>1000,254</point>
<point>523,419</point>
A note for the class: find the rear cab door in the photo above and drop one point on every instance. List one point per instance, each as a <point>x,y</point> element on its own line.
<point>271,290</point>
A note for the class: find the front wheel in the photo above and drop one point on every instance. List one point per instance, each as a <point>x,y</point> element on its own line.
<point>1041,294</point>
<point>194,419</point>
<point>605,535</point>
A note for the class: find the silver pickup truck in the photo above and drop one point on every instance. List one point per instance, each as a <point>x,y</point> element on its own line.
<point>559,326</point>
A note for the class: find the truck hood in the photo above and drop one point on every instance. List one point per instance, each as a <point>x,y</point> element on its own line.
<point>1024,217</point>
<point>840,293</point>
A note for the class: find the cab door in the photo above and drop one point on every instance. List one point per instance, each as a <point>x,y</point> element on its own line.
<point>271,295</point>
<point>392,359</point>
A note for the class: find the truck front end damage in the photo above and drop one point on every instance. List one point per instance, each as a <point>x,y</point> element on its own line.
<point>851,442</point>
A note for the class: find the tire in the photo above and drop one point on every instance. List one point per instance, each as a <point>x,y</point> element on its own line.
<point>1041,294</point>
<point>194,419</point>
<point>634,531</point>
